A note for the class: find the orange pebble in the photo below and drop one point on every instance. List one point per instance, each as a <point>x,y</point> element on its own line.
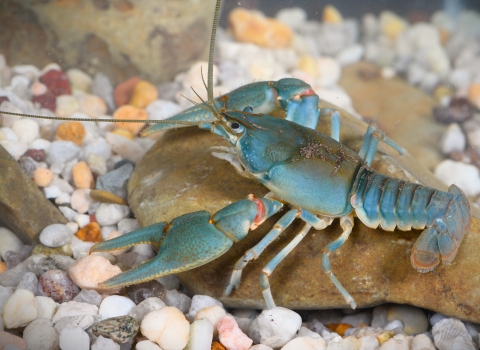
<point>71,131</point>
<point>217,346</point>
<point>339,328</point>
<point>474,95</point>
<point>130,112</point>
<point>3,267</point>
<point>124,90</point>
<point>82,176</point>
<point>42,177</point>
<point>124,133</point>
<point>250,26</point>
<point>331,15</point>
<point>90,233</point>
<point>143,94</point>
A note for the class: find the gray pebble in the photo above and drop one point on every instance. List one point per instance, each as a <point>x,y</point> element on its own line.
<point>55,235</point>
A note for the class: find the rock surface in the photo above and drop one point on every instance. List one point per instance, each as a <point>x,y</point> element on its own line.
<point>154,43</point>
<point>179,175</point>
<point>20,197</point>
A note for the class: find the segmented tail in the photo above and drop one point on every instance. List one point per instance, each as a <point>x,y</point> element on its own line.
<point>381,200</point>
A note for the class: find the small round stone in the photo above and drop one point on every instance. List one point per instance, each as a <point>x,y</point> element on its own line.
<point>202,301</point>
<point>42,177</point>
<point>120,329</point>
<point>115,305</point>
<point>40,335</point>
<point>82,176</point>
<point>74,339</point>
<point>20,309</point>
<point>110,214</point>
<point>167,327</point>
<point>46,307</point>
<point>71,131</point>
<point>130,112</point>
<point>214,314</point>
<point>66,105</point>
<point>278,326</point>
<point>105,344</point>
<point>91,270</point>
<point>414,319</point>
<point>140,292</point>
<point>27,130</point>
<point>55,235</point>
<point>143,94</point>
<point>9,242</point>
<point>57,285</point>
<point>79,80</point>
<point>92,105</point>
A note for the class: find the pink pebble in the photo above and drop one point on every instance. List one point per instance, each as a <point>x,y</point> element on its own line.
<point>231,336</point>
<point>38,88</point>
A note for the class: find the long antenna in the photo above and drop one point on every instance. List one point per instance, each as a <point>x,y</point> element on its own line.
<point>212,50</point>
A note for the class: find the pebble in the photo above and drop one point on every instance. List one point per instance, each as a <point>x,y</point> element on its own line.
<point>62,151</point>
<point>81,220</point>
<point>88,296</point>
<point>305,343</point>
<point>29,282</point>
<point>124,90</point>
<point>146,345</point>
<point>449,334</point>
<point>3,266</point>
<point>463,175</point>
<point>42,177</point>
<point>57,285</point>
<point>170,282</point>
<point>141,291</point>
<point>80,201</point>
<point>457,111</point>
<point>146,306</point>
<point>231,336</point>
<point>20,309</point>
<point>167,327</point>
<point>253,27</point>
<point>422,342</point>
<point>331,15</point>
<point>369,342</point>
<point>128,225</point>
<point>103,88</point>
<point>82,176</point>
<point>97,163</point>
<point>91,270</point>
<point>91,105</point>
<point>178,300</point>
<point>395,344</point>
<point>73,308</point>
<point>40,335</point>
<point>71,131</point>
<point>115,181</point>
<point>143,94</point>
<point>278,326</point>
<point>74,339</point>
<point>38,264</point>
<point>391,25</point>
<point>474,95</point>
<point>79,80</point>
<point>124,147</point>
<point>9,242</point>
<point>132,113</point>
<point>212,313</point>
<point>162,109</point>
<point>11,342</point>
<point>55,235</point>
<point>82,321</point>
<point>27,130</point>
<point>201,335</point>
<point>38,89</point>
<point>15,148</point>
<point>46,307</point>
<point>91,232</point>
<point>105,344</point>
<point>350,55</point>
<point>98,146</point>
<point>201,301</point>
<point>120,329</point>
<point>115,305</point>
<point>110,214</point>
<point>66,105</point>
<point>453,140</point>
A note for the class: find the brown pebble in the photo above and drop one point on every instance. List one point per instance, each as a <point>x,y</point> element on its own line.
<point>143,94</point>
<point>339,328</point>
<point>42,177</point>
<point>130,112</point>
<point>124,90</point>
<point>249,26</point>
<point>3,267</point>
<point>37,155</point>
<point>82,176</point>
<point>458,111</point>
<point>106,197</point>
<point>71,131</point>
<point>91,232</point>
<point>217,346</point>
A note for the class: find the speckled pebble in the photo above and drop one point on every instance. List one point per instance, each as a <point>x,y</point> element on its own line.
<point>167,327</point>
<point>120,329</point>
<point>55,235</point>
<point>91,270</point>
<point>57,285</point>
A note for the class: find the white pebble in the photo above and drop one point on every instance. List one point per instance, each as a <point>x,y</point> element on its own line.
<point>110,214</point>
<point>73,226</point>
<point>69,213</point>
<point>63,199</point>
<point>422,342</point>
<point>329,71</point>
<point>82,220</point>
<point>27,130</point>
<point>124,147</point>
<point>46,307</point>
<point>79,80</point>
<point>40,335</point>
<point>278,326</point>
<point>9,241</point>
<point>395,344</point>
<point>73,308</point>
<point>115,305</point>
<point>20,309</point>
<point>306,343</point>
<point>369,342</point>
<point>162,109</point>
<point>97,163</point>
<point>62,151</point>
<point>82,321</point>
<point>393,324</point>
<point>15,148</point>
<point>201,335</point>
<point>437,317</point>
<point>167,327</point>
<point>80,248</point>
<point>213,314</point>
<point>146,345</point>
<point>350,54</point>
<point>52,191</point>
<point>453,140</point>
<point>201,301</point>
<point>55,235</point>
<point>5,294</point>
<point>74,339</point>
<point>105,344</point>
<point>463,175</point>
<point>9,134</point>
<point>128,225</point>
<point>40,144</point>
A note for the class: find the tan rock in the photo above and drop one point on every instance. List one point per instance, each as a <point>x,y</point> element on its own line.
<point>130,112</point>
<point>144,93</point>
<point>71,131</point>
<point>253,27</point>
<point>82,176</point>
<point>91,270</point>
<point>42,177</point>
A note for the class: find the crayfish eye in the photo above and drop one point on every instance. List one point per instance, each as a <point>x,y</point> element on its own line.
<point>236,127</point>
<point>248,109</point>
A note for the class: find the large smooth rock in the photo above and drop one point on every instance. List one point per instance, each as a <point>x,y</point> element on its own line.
<point>23,207</point>
<point>179,175</point>
<point>117,38</point>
